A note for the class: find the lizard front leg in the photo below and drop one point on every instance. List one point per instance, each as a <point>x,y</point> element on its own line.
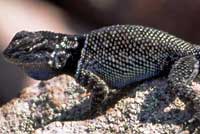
<point>97,86</point>
<point>180,79</point>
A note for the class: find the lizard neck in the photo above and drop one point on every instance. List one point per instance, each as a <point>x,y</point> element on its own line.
<point>71,66</point>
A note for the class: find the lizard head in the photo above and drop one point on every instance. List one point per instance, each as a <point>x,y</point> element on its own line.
<point>41,54</point>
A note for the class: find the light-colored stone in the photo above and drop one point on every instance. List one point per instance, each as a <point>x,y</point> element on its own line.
<point>58,106</point>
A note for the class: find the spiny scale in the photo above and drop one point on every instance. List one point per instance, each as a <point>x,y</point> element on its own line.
<point>124,54</point>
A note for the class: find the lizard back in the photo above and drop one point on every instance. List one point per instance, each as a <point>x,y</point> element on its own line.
<point>125,54</point>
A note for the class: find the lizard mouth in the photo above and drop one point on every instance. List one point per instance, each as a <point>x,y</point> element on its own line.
<point>20,58</point>
<point>34,64</point>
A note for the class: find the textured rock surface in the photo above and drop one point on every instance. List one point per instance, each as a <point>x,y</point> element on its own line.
<point>58,106</point>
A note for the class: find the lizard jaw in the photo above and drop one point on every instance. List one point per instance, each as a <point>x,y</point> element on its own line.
<point>36,69</point>
<point>39,71</point>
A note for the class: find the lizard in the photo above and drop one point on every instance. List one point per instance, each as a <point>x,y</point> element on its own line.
<point>109,59</point>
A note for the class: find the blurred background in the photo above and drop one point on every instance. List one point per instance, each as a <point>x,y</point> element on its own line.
<point>178,17</point>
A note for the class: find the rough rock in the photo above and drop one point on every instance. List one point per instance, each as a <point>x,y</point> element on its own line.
<point>60,106</point>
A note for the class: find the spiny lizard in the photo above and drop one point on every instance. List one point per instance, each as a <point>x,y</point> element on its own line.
<point>110,58</point>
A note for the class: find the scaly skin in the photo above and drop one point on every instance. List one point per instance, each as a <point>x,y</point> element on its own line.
<point>110,57</point>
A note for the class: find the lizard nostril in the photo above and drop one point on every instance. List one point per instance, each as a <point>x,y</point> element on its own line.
<point>7,53</point>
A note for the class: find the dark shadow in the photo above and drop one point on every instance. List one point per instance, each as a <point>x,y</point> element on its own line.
<point>82,112</point>
<point>156,113</point>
